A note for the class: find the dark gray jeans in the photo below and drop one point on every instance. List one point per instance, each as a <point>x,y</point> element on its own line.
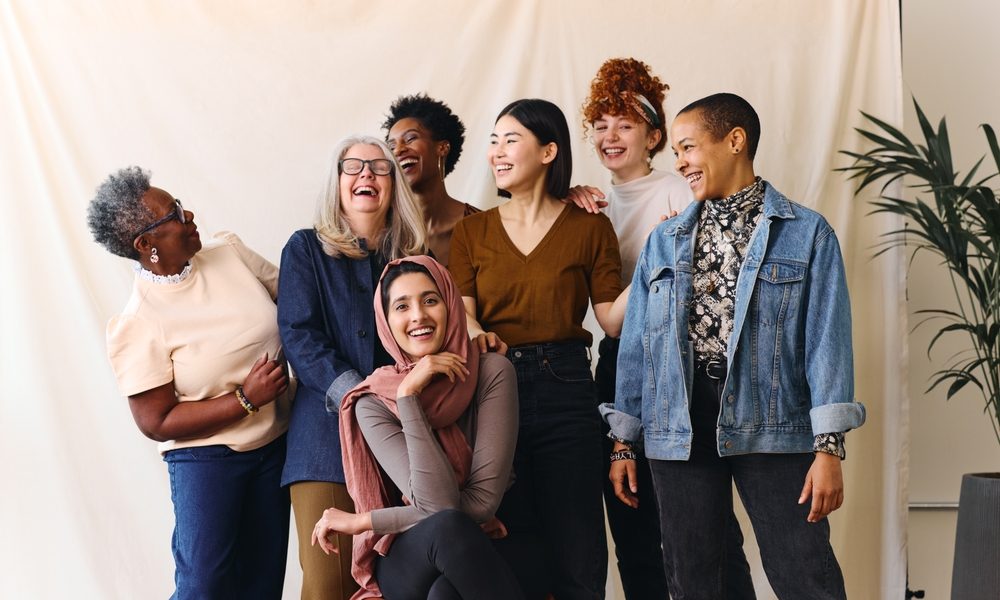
<point>556,495</point>
<point>695,499</point>
<point>445,557</point>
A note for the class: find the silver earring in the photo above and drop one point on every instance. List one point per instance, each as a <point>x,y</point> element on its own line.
<point>153,258</point>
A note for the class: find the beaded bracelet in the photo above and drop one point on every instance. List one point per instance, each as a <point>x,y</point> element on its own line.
<point>622,455</point>
<point>244,402</point>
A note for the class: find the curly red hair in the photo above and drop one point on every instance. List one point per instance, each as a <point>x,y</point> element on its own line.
<point>612,93</point>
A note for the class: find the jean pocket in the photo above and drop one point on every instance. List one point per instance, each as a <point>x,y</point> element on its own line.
<point>568,370</point>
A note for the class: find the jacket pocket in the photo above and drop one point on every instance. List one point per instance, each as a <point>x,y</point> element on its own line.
<point>660,299</point>
<point>779,287</point>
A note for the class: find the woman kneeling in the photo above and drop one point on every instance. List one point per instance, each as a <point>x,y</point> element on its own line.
<point>441,424</point>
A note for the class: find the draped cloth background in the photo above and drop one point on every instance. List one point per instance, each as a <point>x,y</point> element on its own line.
<point>235,108</point>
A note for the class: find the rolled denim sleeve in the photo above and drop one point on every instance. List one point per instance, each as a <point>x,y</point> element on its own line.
<point>624,417</point>
<point>829,353</point>
<point>310,349</point>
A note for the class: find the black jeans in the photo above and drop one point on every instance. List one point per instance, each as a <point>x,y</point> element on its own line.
<point>636,531</point>
<point>696,500</point>
<point>444,557</point>
<point>556,494</point>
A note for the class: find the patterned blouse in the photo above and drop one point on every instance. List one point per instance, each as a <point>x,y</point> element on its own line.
<point>724,230</point>
<point>725,227</point>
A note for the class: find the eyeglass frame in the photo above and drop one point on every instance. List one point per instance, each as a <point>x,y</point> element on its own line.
<point>371,165</point>
<point>177,213</point>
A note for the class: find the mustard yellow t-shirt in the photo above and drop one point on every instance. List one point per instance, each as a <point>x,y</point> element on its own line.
<point>204,333</point>
<point>541,297</point>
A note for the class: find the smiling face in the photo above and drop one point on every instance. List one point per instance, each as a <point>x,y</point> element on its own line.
<point>623,145</point>
<point>417,315</point>
<point>516,157</point>
<point>419,155</point>
<point>365,194</point>
<point>713,167</point>
<point>175,242</point>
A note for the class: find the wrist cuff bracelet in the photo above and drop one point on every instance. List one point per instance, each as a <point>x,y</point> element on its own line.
<point>622,455</point>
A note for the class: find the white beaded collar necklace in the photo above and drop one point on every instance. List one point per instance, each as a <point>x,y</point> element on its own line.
<point>150,276</point>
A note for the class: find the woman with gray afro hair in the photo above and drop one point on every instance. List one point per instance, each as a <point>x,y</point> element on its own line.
<point>117,211</point>
<point>197,352</point>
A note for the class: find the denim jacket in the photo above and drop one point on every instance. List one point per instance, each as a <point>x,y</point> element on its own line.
<point>327,326</point>
<point>790,364</point>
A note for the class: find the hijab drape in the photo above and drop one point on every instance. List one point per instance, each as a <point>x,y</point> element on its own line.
<point>443,402</point>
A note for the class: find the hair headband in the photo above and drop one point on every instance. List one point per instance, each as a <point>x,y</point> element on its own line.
<point>642,106</point>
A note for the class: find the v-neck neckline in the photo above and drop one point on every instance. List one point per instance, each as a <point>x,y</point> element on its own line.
<point>525,258</point>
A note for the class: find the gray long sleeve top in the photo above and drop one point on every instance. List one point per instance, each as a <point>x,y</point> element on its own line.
<point>411,456</point>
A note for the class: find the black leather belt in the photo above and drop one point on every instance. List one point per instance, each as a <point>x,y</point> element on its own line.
<point>713,368</point>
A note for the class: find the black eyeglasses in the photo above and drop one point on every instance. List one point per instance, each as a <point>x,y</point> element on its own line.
<point>178,214</point>
<point>353,166</point>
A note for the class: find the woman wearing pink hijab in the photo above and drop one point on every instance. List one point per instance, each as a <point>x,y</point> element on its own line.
<point>428,445</point>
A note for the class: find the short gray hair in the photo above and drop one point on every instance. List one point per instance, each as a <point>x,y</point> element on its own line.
<point>405,233</point>
<point>117,212</point>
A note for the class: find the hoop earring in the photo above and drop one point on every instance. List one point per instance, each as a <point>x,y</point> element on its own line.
<point>153,258</point>
<point>441,167</point>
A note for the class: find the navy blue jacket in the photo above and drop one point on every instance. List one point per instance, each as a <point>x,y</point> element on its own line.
<point>327,326</point>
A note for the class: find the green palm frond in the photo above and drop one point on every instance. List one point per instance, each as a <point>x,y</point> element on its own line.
<point>956,217</point>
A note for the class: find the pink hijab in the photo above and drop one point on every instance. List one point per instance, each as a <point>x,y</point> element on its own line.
<point>443,402</point>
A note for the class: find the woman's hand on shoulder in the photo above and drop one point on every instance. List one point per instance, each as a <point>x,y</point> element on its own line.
<point>587,197</point>
<point>427,368</point>
<point>265,381</point>
<point>490,342</point>
<point>335,521</point>
<point>668,216</point>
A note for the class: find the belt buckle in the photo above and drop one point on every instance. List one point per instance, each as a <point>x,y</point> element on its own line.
<point>715,369</point>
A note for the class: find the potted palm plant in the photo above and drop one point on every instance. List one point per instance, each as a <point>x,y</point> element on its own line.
<point>957,219</point>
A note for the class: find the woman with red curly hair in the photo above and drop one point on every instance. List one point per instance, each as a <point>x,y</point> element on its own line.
<point>625,121</point>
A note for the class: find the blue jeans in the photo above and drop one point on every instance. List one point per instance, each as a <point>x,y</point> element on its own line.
<point>231,521</point>
<point>696,498</point>
<point>556,494</point>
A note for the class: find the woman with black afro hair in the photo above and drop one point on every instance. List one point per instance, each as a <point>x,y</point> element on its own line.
<point>426,138</point>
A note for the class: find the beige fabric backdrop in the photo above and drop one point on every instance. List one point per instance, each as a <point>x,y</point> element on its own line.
<point>235,107</point>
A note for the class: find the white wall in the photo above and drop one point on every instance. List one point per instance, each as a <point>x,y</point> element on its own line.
<point>951,55</point>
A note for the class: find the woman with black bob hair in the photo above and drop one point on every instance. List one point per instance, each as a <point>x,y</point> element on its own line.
<point>426,138</point>
<point>527,270</point>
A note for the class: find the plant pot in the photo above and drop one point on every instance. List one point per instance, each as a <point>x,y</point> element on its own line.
<point>976,571</point>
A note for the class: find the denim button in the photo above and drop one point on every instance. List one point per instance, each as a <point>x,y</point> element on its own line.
<point>728,444</point>
<point>656,288</point>
<point>362,333</point>
<point>731,398</point>
<point>517,354</point>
